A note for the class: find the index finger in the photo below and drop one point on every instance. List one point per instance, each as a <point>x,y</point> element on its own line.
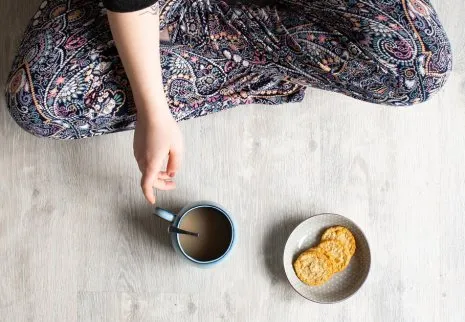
<point>146,183</point>
<point>149,176</point>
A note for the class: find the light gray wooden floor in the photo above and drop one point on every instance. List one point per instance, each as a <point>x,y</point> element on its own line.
<point>78,243</point>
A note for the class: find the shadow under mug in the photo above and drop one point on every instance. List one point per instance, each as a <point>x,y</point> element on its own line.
<point>175,220</point>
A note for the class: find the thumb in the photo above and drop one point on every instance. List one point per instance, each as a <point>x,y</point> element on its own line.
<point>174,162</point>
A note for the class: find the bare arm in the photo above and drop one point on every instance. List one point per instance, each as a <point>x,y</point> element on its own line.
<point>138,46</point>
<point>157,135</point>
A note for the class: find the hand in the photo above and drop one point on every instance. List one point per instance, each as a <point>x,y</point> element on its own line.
<point>157,136</point>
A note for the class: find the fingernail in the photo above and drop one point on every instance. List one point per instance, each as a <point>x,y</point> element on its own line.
<point>172,174</point>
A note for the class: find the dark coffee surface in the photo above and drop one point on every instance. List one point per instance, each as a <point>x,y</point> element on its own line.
<point>214,234</point>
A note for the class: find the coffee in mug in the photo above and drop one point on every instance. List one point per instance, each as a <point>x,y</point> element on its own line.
<point>215,226</point>
<point>214,231</point>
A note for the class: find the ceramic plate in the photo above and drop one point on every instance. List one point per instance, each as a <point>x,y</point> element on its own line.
<point>341,285</point>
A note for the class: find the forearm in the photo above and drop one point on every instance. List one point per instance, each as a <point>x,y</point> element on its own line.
<point>138,42</point>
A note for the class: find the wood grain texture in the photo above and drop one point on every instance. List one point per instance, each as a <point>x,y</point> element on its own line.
<point>123,306</point>
<point>78,243</point>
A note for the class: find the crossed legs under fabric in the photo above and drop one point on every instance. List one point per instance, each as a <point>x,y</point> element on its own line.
<point>67,81</point>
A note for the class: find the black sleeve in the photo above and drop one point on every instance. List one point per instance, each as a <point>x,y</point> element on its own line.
<point>127,5</point>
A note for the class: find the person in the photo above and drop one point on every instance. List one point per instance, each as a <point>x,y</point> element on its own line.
<point>188,58</point>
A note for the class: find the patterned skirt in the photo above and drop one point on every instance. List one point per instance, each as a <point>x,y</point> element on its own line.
<point>67,81</point>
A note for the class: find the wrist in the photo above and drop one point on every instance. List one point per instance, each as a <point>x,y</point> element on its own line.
<point>154,112</point>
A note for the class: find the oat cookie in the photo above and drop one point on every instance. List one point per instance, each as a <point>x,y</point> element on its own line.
<point>313,267</point>
<point>341,234</point>
<point>337,253</point>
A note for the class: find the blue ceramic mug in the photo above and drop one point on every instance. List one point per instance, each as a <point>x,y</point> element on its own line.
<point>176,221</point>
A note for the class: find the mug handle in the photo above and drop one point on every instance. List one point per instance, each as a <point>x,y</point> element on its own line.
<point>164,214</point>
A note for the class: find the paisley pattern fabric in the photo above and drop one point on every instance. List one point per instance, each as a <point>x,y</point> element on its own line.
<point>67,81</point>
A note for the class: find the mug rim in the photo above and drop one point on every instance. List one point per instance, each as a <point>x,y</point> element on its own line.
<point>231,242</point>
